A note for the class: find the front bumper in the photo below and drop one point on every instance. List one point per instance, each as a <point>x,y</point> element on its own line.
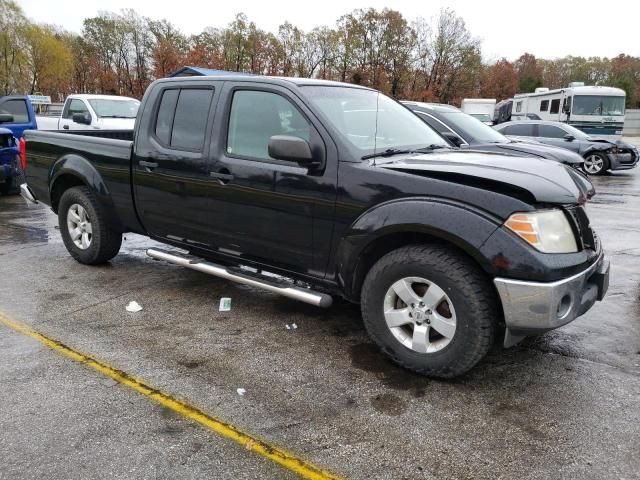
<point>624,161</point>
<point>536,307</point>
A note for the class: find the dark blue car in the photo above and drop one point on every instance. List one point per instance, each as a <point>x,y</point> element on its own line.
<point>16,116</point>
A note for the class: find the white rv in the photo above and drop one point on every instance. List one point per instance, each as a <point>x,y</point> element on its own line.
<point>597,111</point>
<point>480,108</point>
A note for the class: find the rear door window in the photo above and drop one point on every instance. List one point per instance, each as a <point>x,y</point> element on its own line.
<point>181,122</point>
<point>17,108</point>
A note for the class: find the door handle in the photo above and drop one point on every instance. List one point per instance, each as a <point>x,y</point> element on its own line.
<point>66,127</point>
<point>147,165</point>
<point>223,177</point>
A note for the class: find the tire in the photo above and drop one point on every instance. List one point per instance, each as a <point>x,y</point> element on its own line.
<point>595,164</point>
<point>101,243</point>
<point>469,298</point>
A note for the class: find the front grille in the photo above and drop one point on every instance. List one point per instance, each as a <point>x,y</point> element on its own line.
<point>582,227</point>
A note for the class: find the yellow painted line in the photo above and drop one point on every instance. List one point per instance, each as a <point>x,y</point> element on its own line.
<point>250,442</point>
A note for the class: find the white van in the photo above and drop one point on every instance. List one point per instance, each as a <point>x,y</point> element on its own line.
<point>481,108</point>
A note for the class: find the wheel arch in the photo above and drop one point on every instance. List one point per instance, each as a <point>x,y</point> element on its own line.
<point>76,171</point>
<point>399,224</point>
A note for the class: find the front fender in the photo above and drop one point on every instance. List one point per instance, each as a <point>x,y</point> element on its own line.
<point>78,167</point>
<point>463,225</point>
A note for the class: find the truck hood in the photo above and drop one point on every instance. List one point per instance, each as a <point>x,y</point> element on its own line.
<point>533,180</point>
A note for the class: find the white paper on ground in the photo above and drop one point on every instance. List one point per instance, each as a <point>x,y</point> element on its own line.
<point>134,307</point>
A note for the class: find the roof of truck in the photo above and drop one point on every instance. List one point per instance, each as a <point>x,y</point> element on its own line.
<point>241,77</point>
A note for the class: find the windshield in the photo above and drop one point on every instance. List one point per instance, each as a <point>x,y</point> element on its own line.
<point>483,117</point>
<point>473,129</point>
<point>370,121</point>
<point>597,105</point>
<point>108,108</point>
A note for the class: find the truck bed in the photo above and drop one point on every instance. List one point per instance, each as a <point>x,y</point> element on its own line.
<point>103,155</point>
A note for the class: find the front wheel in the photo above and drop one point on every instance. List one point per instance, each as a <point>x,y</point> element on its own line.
<point>84,227</point>
<point>595,164</point>
<point>431,309</point>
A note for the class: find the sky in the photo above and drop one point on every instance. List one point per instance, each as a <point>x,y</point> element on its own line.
<point>547,29</point>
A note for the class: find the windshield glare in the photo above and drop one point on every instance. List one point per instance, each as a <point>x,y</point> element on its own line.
<point>474,129</point>
<point>108,108</point>
<point>370,121</point>
<point>597,105</point>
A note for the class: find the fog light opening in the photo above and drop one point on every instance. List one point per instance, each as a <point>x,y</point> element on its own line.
<point>564,307</point>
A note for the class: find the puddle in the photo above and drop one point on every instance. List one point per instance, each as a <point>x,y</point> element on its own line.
<point>367,357</point>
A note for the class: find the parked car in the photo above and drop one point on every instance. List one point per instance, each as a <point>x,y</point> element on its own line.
<point>599,155</point>
<point>463,131</point>
<point>100,112</point>
<point>339,191</point>
<point>16,116</point>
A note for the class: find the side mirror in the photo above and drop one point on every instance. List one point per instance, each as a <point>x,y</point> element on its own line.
<point>6,118</point>
<point>569,138</point>
<point>291,149</point>
<point>453,138</point>
<point>84,118</point>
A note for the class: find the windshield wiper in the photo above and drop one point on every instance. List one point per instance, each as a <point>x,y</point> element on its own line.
<point>403,151</point>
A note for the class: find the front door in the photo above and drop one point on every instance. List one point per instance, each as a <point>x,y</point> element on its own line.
<point>73,106</point>
<point>171,164</point>
<point>554,135</point>
<point>267,210</point>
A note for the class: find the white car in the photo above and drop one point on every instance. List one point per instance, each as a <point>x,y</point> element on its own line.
<point>99,112</point>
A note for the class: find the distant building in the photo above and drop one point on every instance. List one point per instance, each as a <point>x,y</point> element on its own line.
<point>200,72</point>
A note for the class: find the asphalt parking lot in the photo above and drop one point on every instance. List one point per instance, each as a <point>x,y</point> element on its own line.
<point>563,405</point>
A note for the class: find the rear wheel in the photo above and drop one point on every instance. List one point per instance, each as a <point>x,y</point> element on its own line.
<point>84,227</point>
<point>431,309</point>
<point>595,163</point>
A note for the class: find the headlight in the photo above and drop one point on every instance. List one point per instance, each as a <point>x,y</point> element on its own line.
<point>546,230</point>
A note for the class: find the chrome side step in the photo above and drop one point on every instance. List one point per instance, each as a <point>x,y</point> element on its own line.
<point>195,263</point>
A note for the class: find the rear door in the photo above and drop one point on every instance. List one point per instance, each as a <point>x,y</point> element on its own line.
<point>171,162</point>
<point>270,211</point>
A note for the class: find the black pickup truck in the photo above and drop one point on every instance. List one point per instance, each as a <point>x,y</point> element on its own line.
<point>314,190</point>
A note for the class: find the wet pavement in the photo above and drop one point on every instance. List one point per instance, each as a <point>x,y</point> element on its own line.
<point>563,405</point>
